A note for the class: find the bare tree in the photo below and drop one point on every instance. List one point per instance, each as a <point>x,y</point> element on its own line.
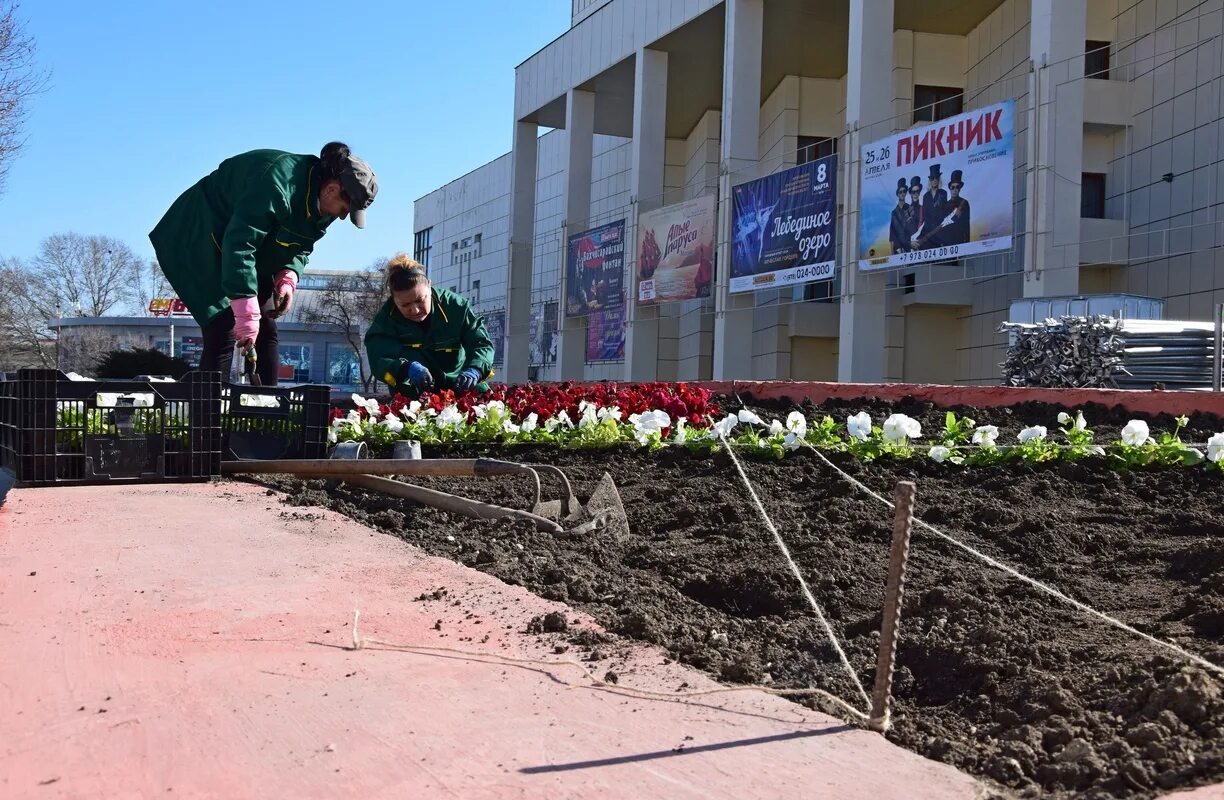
<point>25,340</point>
<point>348,302</point>
<point>20,80</point>
<point>149,283</point>
<point>72,275</point>
<point>87,275</point>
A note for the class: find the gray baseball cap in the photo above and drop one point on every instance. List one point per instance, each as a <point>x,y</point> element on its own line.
<point>360,184</point>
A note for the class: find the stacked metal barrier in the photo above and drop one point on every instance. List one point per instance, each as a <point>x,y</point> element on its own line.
<point>1102,352</point>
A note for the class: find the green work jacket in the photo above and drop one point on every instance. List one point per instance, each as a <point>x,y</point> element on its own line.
<point>451,340</point>
<point>228,235</point>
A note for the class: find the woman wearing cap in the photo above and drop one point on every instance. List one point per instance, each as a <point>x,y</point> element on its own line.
<point>234,244</point>
<point>427,338</point>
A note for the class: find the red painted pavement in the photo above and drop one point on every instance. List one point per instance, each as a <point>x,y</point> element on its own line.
<point>188,642</point>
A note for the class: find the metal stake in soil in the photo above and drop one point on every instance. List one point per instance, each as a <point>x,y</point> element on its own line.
<point>903,523</point>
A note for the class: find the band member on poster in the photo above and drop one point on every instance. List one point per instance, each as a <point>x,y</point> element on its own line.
<point>934,209</point>
<point>956,231</point>
<point>703,280</point>
<point>899,228</point>
<point>915,207</point>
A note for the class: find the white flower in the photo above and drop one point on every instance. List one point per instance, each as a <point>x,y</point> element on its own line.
<point>775,428</point>
<point>1135,433</point>
<point>859,425</point>
<point>649,424</point>
<point>451,417</point>
<point>509,427</point>
<point>371,405</point>
<point>792,440</point>
<point>561,420</point>
<point>332,438</point>
<point>938,453</point>
<point>1096,450</point>
<point>899,427</point>
<point>588,419</point>
<point>610,412</point>
<point>392,423</point>
<point>796,423</point>
<point>725,426</point>
<point>1215,448</point>
<point>1035,432</point>
<point>410,411</point>
<point>749,418</point>
<point>985,435</point>
<point>531,423</point>
<point>679,432</point>
<point>1078,424</point>
<point>494,409</point>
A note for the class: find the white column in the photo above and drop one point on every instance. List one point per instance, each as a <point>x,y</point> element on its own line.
<point>646,188</point>
<point>869,95</point>
<point>738,153</point>
<point>579,144</point>
<point>1055,147</point>
<point>522,233</point>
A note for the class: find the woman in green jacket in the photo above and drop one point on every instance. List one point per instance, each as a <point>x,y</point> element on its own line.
<point>427,338</point>
<point>234,244</point>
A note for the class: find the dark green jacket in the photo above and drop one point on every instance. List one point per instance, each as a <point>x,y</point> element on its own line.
<point>227,236</point>
<point>450,341</point>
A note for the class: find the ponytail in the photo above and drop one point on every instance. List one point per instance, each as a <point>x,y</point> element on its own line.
<point>404,273</point>
<point>335,160</point>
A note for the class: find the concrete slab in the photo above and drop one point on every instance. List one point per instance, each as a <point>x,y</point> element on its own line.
<point>177,641</point>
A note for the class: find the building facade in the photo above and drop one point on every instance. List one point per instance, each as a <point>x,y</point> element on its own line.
<point>1115,183</point>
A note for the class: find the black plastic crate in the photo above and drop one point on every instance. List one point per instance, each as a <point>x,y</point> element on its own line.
<point>57,431</point>
<point>295,426</point>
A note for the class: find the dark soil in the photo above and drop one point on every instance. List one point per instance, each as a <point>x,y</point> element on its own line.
<point>993,676</point>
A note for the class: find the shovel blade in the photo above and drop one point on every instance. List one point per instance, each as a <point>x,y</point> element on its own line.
<point>604,512</point>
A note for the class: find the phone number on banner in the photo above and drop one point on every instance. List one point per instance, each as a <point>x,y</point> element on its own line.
<point>937,253</point>
<point>783,277</point>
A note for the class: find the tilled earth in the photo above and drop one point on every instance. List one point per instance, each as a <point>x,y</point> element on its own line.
<point>994,676</point>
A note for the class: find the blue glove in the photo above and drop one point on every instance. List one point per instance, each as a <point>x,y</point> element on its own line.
<point>467,379</point>
<point>418,375</point>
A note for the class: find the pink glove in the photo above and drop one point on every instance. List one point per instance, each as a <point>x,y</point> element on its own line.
<point>283,289</point>
<point>246,321</point>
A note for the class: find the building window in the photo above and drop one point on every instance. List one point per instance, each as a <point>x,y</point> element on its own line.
<point>421,247</point>
<point>475,291</point>
<point>1092,195</point>
<point>933,103</point>
<point>1096,60</point>
<point>814,148</point>
<point>343,368</point>
<point>294,363</point>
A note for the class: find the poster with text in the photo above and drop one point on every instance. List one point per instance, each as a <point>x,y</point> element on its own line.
<point>594,269</point>
<point>784,227</point>
<point>606,335</point>
<point>675,251</point>
<point>495,326</point>
<point>941,191</point>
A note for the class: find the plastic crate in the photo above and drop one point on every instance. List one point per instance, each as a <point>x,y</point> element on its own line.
<point>58,431</point>
<point>270,422</point>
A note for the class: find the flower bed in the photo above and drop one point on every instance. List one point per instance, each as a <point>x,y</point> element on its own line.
<point>654,415</point>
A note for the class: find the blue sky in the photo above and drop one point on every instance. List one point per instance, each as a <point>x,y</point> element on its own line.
<point>147,96</point>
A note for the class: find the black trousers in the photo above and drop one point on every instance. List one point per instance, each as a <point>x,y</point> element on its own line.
<point>218,346</point>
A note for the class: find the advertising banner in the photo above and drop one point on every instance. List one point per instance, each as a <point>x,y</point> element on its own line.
<point>606,335</point>
<point>594,269</point>
<point>495,326</point>
<point>675,246</point>
<point>784,227</point>
<point>941,191</point>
